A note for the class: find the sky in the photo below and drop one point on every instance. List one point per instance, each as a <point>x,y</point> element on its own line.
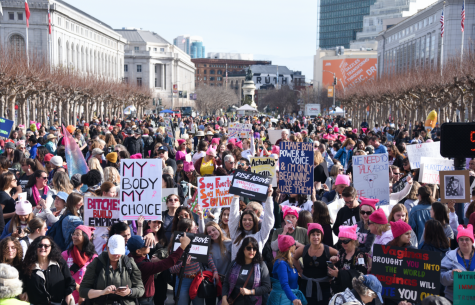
<point>281,31</point>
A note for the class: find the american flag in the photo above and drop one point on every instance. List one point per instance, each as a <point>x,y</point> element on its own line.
<point>49,20</point>
<point>463,15</point>
<point>442,25</point>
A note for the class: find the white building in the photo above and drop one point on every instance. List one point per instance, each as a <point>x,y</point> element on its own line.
<point>242,56</point>
<point>78,41</point>
<point>153,62</point>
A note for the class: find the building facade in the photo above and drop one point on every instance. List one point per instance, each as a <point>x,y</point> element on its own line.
<point>191,45</point>
<point>78,41</point>
<point>153,62</point>
<point>241,56</point>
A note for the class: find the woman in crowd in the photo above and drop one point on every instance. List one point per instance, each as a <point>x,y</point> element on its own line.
<point>28,167</point>
<point>18,223</point>
<point>395,157</point>
<point>420,214</point>
<point>291,216</point>
<point>79,256</point>
<point>224,220</point>
<point>285,287</point>
<point>11,252</point>
<point>321,215</point>
<point>111,174</point>
<point>345,153</point>
<point>11,286</point>
<point>402,234</point>
<point>72,218</point>
<point>52,215</point>
<point>247,280</point>
<point>173,203</point>
<point>366,288</point>
<point>113,161</point>
<point>440,212</point>
<point>378,225</point>
<point>305,217</point>
<point>201,151</point>
<point>36,227</point>
<point>46,276</point>
<point>399,212</point>
<point>8,153</point>
<point>207,164</point>
<point>411,199</point>
<point>18,158</point>
<point>8,182</point>
<point>334,172</point>
<point>320,170</point>
<point>108,189</point>
<point>41,156</point>
<point>458,260</point>
<point>435,238</point>
<point>365,237</point>
<point>36,188</point>
<point>50,144</point>
<point>61,183</point>
<point>94,163</point>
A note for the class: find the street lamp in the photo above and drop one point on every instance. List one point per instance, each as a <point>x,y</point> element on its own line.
<point>335,82</point>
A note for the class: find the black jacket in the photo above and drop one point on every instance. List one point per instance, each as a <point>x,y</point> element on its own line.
<point>134,145</point>
<point>345,217</point>
<point>53,285</point>
<point>148,145</point>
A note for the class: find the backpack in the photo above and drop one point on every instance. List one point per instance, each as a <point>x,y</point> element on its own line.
<point>26,240</point>
<point>56,232</point>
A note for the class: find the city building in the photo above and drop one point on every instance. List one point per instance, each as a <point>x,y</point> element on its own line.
<point>416,41</point>
<point>153,62</point>
<point>210,71</point>
<point>78,41</point>
<point>241,56</point>
<point>191,45</point>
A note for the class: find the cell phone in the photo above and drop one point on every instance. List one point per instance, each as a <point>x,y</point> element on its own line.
<point>122,288</point>
<point>19,230</point>
<point>330,264</point>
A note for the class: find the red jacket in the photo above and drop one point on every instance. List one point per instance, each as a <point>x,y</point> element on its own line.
<point>197,281</point>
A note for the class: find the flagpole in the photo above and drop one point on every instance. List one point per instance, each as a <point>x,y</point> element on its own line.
<point>463,31</point>
<point>442,44</point>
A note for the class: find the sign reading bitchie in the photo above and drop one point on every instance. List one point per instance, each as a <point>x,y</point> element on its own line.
<point>250,185</point>
<point>296,168</point>
<point>101,211</point>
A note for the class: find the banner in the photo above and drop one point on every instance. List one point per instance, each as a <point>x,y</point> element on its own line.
<point>464,288</point>
<point>275,135</point>
<point>349,71</point>
<point>199,246</point>
<point>264,166</point>
<point>5,127</point>
<point>250,185</point>
<point>406,274</point>
<point>430,168</point>
<point>214,192</point>
<point>371,178</point>
<point>101,211</point>
<point>168,127</point>
<point>416,151</point>
<point>141,189</point>
<point>296,168</point>
<point>239,130</point>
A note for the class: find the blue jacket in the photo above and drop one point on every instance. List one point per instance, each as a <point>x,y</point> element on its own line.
<point>381,149</point>
<point>344,156</point>
<point>329,197</point>
<point>70,223</point>
<point>33,150</point>
<point>288,279</point>
<point>418,217</point>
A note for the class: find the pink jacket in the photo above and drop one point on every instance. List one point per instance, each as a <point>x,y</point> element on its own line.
<point>78,276</point>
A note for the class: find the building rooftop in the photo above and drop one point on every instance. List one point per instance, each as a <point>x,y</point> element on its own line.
<point>82,12</point>
<point>136,35</point>
<point>270,69</point>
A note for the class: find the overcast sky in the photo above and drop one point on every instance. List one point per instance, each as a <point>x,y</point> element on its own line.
<point>279,30</point>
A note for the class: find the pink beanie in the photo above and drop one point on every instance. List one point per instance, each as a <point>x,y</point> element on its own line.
<point>232,141</point>
<point>180,155</point>
<point>378,217</point>
<point>312,226</point>
<point>180,141</point>
<point>462,232</point>
<point>86,229</point>
<point>188,166</point>
<point>336,129</point>
<point>342,179</point>
<point>275,150</point>
<point>211,151</point>
<point>285,242</point>
<point>239,144</point>
<point>399,227</point>
<point>369,202</point>
<point>20,143</point>
<point>136,156</point>
<point>288,210</point>
<point>355,130</point>
<point>23,208</point>
<point>215,141</point>
<point>348,232</point>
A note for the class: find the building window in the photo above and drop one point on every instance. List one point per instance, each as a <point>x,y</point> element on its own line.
<point>219,78</point>
<point>197,71</point>
<point>204,78</point>
<point>20,16</point>
<point>139,81</point>
<point>126,68</point>
<point>211,71</point>
<point>17,43</point>
<point>211,78</point>
<point>155,49</point>
<point>11,16</point>
<point>211,84</point>
<point>126,80</point>
<point>220,72</point>
<point>162,49</point>
<point>156,82</point>
<point>139,68</point>
<point>136,49</point>
<point>205,71</point>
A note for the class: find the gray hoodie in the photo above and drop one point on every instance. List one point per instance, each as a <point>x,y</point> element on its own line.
<point>449,263</point>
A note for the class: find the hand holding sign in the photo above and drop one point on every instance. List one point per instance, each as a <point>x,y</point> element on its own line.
<point>185,241</point>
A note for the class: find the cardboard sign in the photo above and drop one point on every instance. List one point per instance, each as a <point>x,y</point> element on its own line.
<point>168,127</point>
<point>199,246</point>
<point>296,168</point>
<point>250,185</point>
<point>275,135</point>
<point>430,168</point>
<point>214,191</point>
<point>406,274</point>
<point>454,185</point>
<point>239,130</point>
<point>371,178</point>
<point>464,288</point>
<point>264,166</point>
<point>141,189</point>
<point>101,211</point>
<point>5,127</point>
<point>416,151</point>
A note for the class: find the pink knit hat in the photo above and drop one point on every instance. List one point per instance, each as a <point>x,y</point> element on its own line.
<point>312,226</point>
<point>180,155</point>
<point>136,156</point>
<point>188,166</point>
<point>215,141</point>
<point>342,179</point>
<point>86,229</point>
<point>23,208</point>
<point>20,143</point>
<point>232,141</point>
<point>239,144</point>
<point>336,129</point>
<point>462,232</point>
<point>276,150</point>
<point>181,141</point>
<point>355,130</point>
<point>288,210</point>
<point>285,242</point>
<point>400,227</point>
<point>348,232</point>
<point>369,202</point>
<point>378,217</point>
<point>211,151</point>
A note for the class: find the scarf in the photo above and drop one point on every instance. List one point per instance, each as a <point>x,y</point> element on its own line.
<point>78,258</point>
<point>36,193</point>
<point>236,270</point>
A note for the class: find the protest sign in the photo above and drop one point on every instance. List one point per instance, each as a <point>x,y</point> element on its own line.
<point>168,127</point>
<point>5,127</point>
<point>454,186</point>
<point>296,168</point>
<point>406,274</point>
<point>416,151</point>
<point>430,168</point>
<point>275,135</point>
<point>239,130</point>
<point>464,288</point>
<point>371,178</point>
<point>250,185</point>
<point>22,196</point>
<point>214,192</point>
<point>101,211</point>
<point>199,246</point>
<point>141,189</point>
<point>264,166</point>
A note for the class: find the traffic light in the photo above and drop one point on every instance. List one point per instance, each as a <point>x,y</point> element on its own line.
<point>335,81</point>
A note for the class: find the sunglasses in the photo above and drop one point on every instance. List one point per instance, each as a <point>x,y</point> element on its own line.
<point>44,178</point>
<point>341,169</point>
<point>44,246</point>
<point>345,241</point>
<point>366,212</point>
<point>250,248</point>
<point>242,164</point>
<point>173,200</point>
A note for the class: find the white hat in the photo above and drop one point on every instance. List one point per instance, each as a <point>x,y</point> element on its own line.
<point>116,245</point>
<point>56,161</point>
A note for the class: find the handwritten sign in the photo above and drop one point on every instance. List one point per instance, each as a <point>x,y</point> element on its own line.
<point>239,130</point>
<point>250,185</point>
<point>264,166</point>
<point>406,274</point>
<point>275,135</point>
<point>168,127</point>
<point>416,151</point>
<point>214,192</point>
<point>296,168</point>
<point>371,178</point>
<point>141,189</point>
<point>199,246</point>
<point>430,168</point>
<point>101,211</point>
<point>464,288</point>
<point>5,127</point>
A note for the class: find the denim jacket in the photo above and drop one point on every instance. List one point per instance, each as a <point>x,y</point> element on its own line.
<point>418,217</point>
<point>70,223</point>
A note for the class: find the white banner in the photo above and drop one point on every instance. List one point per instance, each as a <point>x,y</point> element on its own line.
<point>430,168</point>
<point>275,135</point>
<point>371,177</point>
<point>416,151</point>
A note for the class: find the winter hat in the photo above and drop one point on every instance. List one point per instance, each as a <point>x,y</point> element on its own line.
<point>57,161</point>
<point>232,141</point>
<point>399,227</point>
<point>348,232</point>
<point>312,226</point>
<point>364,129</point>
<point>239,144</point>
<point>188,166</point>
<point>215,141</point>
<point>116,245</point>
<point>20,143</point>
<point>180,155</point>
<point>211,151</point>
<point>136,156</point>
<point>48,157</point>
<point>112,157</point>
<point>354,130</point>
<point>342,179</point>
<point>288,210</point>
<point>369,202</point>
<point>276,150</point>
<point>462,232</point>
<point>10,145</point>
<point>304,131</point>
<point>285,242</point>
<point>86,229</point>
<point>378,217</point>
<point>76,180</point>
<point>23,208</point>
<point>336,129</point>
<point>70,128</point>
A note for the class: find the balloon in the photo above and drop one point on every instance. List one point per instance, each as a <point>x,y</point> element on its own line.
<point>431,121</point>
<point>33,127</point>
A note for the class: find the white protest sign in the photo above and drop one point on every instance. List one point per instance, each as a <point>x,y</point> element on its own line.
<point>239,130</point>
<point>141,189</point>
<point>264,166</point>
<point>101,211</point>
<point>430,168</point>
<point>275,135</point>
<point>371,177</point>
<point>416,151</point>
<point>168,127</point>
<point>22,196</point>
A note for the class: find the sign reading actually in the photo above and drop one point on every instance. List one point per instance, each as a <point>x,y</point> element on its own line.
<point>464,288</point>
<point>430,168</point>
<point>370,177</point>
<point>250,185</point>
<point>264,166</point>
<point>141,189</point>
<point>214,192</point>
<point>416,151</point>
<point>296,168</point>
<point>406,274</point>
<point>5,127</point>
<point>199,246</point>
<point>101,211</point>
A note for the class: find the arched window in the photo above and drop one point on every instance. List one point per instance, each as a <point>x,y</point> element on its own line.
<point>17,43</point>
<point>220,72</point>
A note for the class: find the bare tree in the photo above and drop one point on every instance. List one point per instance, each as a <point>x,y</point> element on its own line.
<point>212,98</point>
<point>281,101</point>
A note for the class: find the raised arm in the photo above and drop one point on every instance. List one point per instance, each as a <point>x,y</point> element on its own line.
<point>234,218</point>
<point>268,221</point>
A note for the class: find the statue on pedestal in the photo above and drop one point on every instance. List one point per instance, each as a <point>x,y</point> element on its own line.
<point>248,74</point>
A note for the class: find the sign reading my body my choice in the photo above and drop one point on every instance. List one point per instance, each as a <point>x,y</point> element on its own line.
<point>250,185</point>
<point>296,168</point>
<point>141,189</point>
<point>5,127</point>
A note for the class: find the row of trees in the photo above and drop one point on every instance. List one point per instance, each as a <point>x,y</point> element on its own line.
<point>70,94</point>
<point>212,98</point>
